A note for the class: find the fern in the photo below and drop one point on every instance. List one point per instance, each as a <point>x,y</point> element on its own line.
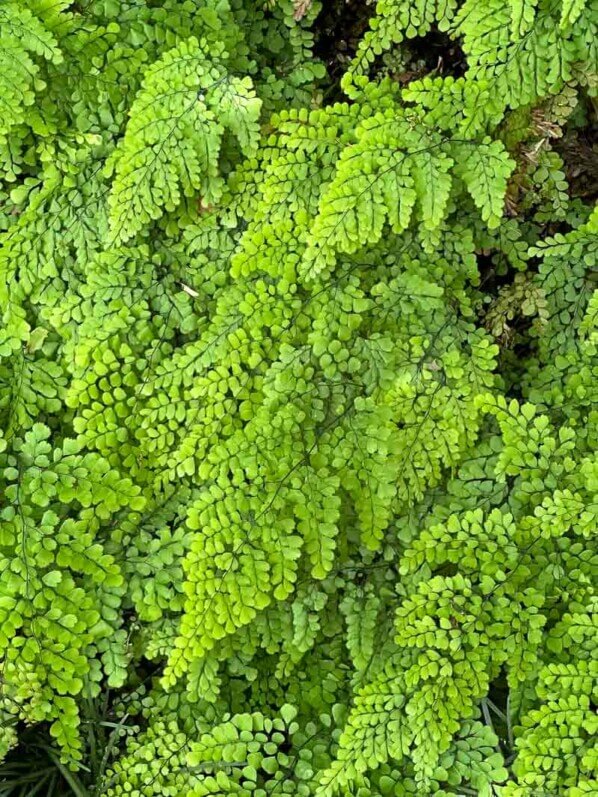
<point>297,399</point>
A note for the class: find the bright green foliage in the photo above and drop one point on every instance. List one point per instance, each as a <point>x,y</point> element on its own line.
<point>298,399</point>
<point>397,167</point>
<point>26,36</point>
<point>172,141</point>
<point>58,582</point>
<point>557,742</point>
<point>517,50</point>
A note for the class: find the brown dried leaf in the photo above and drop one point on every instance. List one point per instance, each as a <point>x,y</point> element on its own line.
<point>301,8</point>
<point>189,290</point>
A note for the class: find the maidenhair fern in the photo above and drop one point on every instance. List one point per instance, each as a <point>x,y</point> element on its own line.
<point>298,390</point>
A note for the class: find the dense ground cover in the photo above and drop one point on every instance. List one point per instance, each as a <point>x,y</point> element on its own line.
<point>298,398</point>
